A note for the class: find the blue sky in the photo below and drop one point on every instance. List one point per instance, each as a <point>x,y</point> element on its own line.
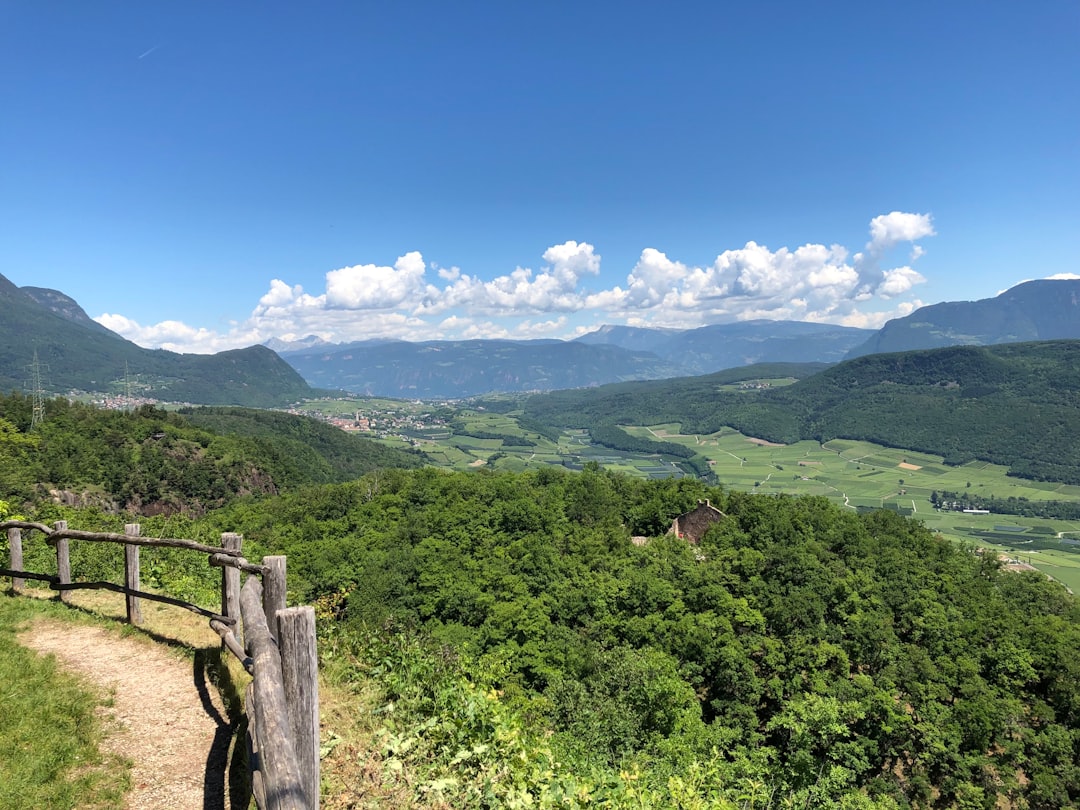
<point>202,176</point>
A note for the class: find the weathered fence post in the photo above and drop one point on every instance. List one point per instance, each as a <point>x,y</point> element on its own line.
<point>14,537</point>
<point>277,754</point>
<point>63,561</point>
<point>131,574</point>
<point>300,674</point>
<point>273,591</point>
<point>230,583</point>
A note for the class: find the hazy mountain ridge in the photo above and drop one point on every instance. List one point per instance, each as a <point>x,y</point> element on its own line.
<point>455,369</point>
<point>1048,309</point>
<point>1010,404</point>
<point>610,354</point>
<point>78,353</point>
<point>1034,310</point>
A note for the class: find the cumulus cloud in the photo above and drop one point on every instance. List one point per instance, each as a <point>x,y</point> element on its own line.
<point>176,336</point>
<point>414,300</point>
<point>370,286</point>
<point>554,288</point>
<point>898,281</point>
<point>813,282</point>
<point>889,230</point>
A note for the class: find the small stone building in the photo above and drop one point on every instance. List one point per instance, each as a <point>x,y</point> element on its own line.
<point>691,526</point>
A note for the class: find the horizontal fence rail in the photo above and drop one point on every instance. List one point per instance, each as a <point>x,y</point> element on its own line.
<point>274,643</point>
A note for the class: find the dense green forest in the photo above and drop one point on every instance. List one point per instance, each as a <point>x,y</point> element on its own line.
<point>528,652</point>
<point>1012,404</point>
<point>1025,507</point>
<point>150,460</point>
<point>829,655</point>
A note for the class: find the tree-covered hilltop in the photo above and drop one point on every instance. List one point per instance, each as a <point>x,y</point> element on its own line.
<point>841,660</point>
<point>76,353</point>
<point>151,460</point>
<point>1012,404</point>
<point>1044,309</point>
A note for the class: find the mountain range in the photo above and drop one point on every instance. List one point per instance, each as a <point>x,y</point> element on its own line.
<point>1012,404</point>
<point>1034,310</point>
<point>76,352</point>
<point>455,369</point>
<point>1048,309</point>
<point>71,351</point>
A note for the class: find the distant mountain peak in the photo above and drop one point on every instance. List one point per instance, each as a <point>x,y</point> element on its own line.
<point>81,354</point>
<point>1044,309</point>
<point>66,307</point>
<point>309,342</point>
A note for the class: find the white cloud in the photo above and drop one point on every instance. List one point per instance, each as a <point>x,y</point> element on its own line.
<point>898,281</point>
<point>370,286</point>
<point>280,294</point>
<point>570,261</point>
<point>816,282</point>
<point>553,289</point>
<point>893,228</point>
<point>875,320</point>
<point>176,336</point>
<point>1055,277</point>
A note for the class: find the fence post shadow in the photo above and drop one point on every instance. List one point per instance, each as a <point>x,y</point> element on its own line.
<point>288,717</point>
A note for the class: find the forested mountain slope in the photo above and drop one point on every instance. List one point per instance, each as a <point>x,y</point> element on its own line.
<point>834,660</point>
<point>1047,309</point>
<point>1012,404</point>
<point>75,353</point>
<point>151,461</point>
<point>839,660</point>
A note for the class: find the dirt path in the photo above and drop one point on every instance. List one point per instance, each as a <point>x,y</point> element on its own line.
<point>164,717</point>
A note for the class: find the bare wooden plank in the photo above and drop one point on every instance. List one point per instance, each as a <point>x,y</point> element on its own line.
<point>159,542</point>
<point>277,754</point>
<point>131,575</point>
<point>63,560</point>
<point>300,676</point>
<point>14,536</point>
<point>273,591</point>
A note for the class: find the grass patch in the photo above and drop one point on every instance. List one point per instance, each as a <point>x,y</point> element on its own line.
<point>49,729</point>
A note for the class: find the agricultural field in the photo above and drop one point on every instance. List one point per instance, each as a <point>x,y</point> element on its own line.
<point>856,475</point>
<point>861,475</point>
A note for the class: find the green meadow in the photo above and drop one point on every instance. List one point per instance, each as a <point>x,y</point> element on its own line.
<point>856,475</point>
<point>864,475</point>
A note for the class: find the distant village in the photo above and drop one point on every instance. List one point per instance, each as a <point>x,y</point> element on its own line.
<point>409,422</point>
<point>405,422</point>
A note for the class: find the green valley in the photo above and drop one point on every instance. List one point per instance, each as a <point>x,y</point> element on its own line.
<point>857,625</point>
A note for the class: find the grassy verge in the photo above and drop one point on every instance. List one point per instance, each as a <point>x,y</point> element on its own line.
<point>49,729</point>
<point>96,779</point>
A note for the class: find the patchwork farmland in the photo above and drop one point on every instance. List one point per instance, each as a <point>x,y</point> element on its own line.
<point>856,475</point>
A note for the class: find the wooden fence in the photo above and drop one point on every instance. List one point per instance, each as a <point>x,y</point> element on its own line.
<point>278,647</point>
